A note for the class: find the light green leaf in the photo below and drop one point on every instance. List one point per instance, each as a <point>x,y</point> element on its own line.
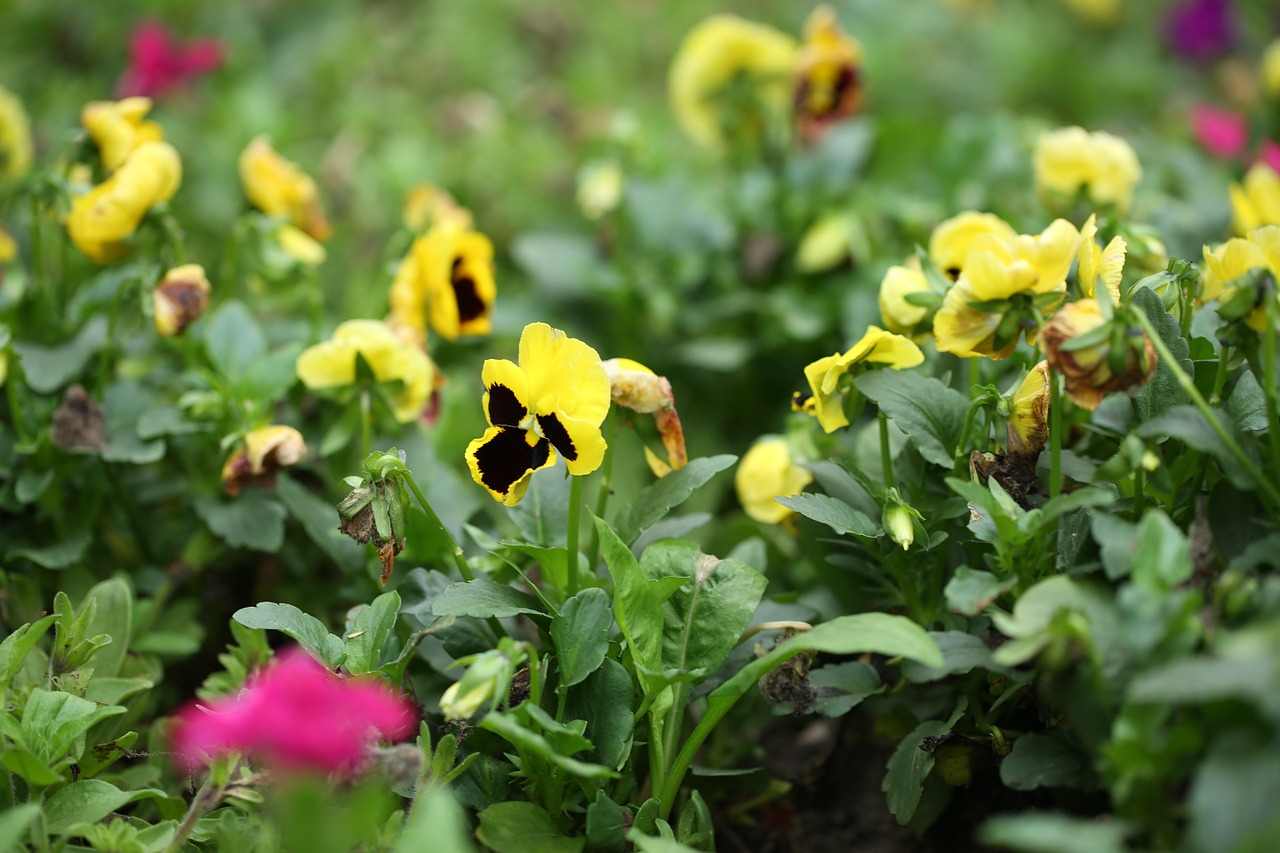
<point>309,631</point>
<point>483,598</point>
<point>1162,557</point>
<point>373,625</point>
<point>581,635</point>
<point>49,368</point>
<point>436,822</point>
<point>1234,794</point>
<point>16,647</point>
<point>233,340</point>
<point>54,723</point>
<point>508,726</point>
<point>114,618</point>
<point>89,801</point>
<point>1052,832</point>
<point>520,827</point>
<point>841,517</point>
<point>971,591</point>
<point>253,520</point>
<point>930,413</point>
<point>13,826</point>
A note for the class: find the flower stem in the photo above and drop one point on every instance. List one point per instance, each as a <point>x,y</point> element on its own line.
<point>571,537</point>
<point>366,423</point>
<point>205,800</point>
<point>459,558</point>
<point>1220,376</point>
<point>1265,486</point>
<point>1269,381</point>
<point>886,458</point>
<point>1055,434</point>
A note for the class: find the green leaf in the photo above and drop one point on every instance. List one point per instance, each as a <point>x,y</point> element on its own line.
<point>842,686</point>
<point>1188,425</point>
<point>581,635</point>
<point>309,631</point>
<point>233,340</point>
<point>1052,832</point>
<point>373,625</point>
<point>704,617</point>
<point>1117,540</point>
<point>483,598</point>
<point>16,647</point>
<point>319,521</point>
<point>658,499</point>
<point>607,701</point>
<point>542,516</point>
<point>114,618</point>
<point>520,827</point>
<point>961,653</point>
<point>1163,392</point>
<point>553,560</point>
<point>59,555</point>
<point>13,826</point>
<point>436,822</point>
<point>905,773</point>
<point>49,368</point>
<point>1029,624</point>
<point>606,825</point>
<point>1162,557</point>
<point>930,413</point>
<point>971,591</point>
<point>1248,405</point>
<point>253,520</point>
<point>54,724</point>
<point>1234,794</point>
<point>269,378</point>
<point>1045,761</point>
<point>656,844</point>
<point>566,264</point>
<point>123,403</point>
<point>163,419</point>
<point>89,801</point>
<point>841,517</point>
<point>508,726</point>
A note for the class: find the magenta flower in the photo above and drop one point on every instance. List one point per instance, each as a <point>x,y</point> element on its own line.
<point>295,715</point>
<point>1201,30</point>
<point>159,63</point>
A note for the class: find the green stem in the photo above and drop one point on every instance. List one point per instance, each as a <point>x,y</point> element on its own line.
<point>571,536</point>
<point>366,423</point>
<point>15,408</point>
<point>961,468</point>
<point>1269,382</point>
<point>1055,434</point>
<point>1220,376</point>
<point>108,346</point>
<point>975,374</point>
<point>1265,486</point>
<point>37,263</point>
<point>602,498</point>
<point>173,236</point>
<point>209,795</point>
<point>459,558</point>
<point>886,459</point>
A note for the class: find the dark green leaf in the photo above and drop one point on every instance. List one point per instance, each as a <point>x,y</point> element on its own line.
<point>909,765</point>
<point>253,520</point>
<point>1234,794</point>
<point>123,404</point>
<point>234,340</point>
<point>373,625</point>
<point>655,501</point>
<point>606,700</point>
<point>306,629</point>
<point>606,825</point>
<point>1248,405</point>
<point>1163,392</point>
<point>520,827</point>
<point>930,413</point>
<point>581,635</point>
<point>841,686</point>
<point>319,520</point>
<point>837,514</point>
<point>1045,761</point>
<point>1188,425</point>
<point>59,555</point>
<point>483,598</point>
<point>269,378</point>
<point>961,653</point>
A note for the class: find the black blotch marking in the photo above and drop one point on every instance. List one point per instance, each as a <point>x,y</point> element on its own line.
<point>558,436</point>
<point>505,408</point>
<point>507,457</point>
<point>470,305</point>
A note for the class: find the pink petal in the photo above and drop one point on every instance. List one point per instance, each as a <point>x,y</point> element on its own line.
<point>1220,132</point>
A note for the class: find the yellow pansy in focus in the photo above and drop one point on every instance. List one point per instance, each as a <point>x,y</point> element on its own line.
<point>1234,258</point>
<point>118,128</point>
<point>766,472</point>
<point>950,242</point>
<point>1028,427</point>
<point>179,299</point>
<point>332,364</point>
<point>279,187</point>
<point>447,280</point>
<point>1271,69</point>
<point>265,451</point>
<point>827,376</point>
<point>721,59</point>
<point>899,282</point>
<point>1072,159</point>
<point>103,218</point>
<point>636,387</point>
<point>552,401</point>
<point>15,137</point>
<point>1094,262</point>
<point>1256,201</point>
<point>828,75</point>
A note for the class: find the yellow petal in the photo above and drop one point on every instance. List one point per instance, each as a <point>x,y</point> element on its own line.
<point>898,314</point>
<point>766,472</point>
<point>565,375</point>
<point>951,241</point>
<point>965,331</point>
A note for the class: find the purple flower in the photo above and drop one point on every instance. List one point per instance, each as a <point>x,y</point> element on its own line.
<point>1201,30</point>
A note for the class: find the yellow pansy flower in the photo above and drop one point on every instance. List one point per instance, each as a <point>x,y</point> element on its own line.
<point>427,204</point>
<point>446,279</point>
<point>1256,201</point>
<point>636,387</point>
<point>988,308</point>
<point>8,247</point>
<point>1234,258</point>
<point>332,364</point>
<point>300,245</point>
<point>826,376</point>
<point>1072,159</point>
<point>118,128</point>
<point>552,402</point>
<point>731,77</point>
<point>828,75</point>
<point>766,472</point>
<point>1271,69</point>
<point>1094,262</point>
<point>15,137</point>
<point>1028,427</point>
<point>103,218</point>
<point>950,242</point>
<point>264,452</point>
<point>279,187</point>
<point>899,282</point>
<point>179,299</point>
<point>827,243</point>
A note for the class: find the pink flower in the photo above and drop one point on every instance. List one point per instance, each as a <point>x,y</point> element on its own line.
<point>159,63</point>
<point>1220,132</point>
<point>1270,154</point>
<point>295,715</point>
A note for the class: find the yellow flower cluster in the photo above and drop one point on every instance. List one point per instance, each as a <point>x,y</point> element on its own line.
<point>1256,201</point>
<point>279,187</point>
<point>1223,266</point>
<point>1070,160</point>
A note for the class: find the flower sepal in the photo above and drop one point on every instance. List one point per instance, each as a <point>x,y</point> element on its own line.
<point>375,509</point>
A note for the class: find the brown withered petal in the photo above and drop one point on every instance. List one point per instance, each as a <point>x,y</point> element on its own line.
<point>180,299</point>
<point>79,425</point>
<point>1087,375</point>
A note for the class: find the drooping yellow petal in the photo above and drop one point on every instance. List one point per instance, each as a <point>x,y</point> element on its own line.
<point>824,376</point>
<point>1028,427</point>
<point>279,187</point>
<point>963,330</point>
<point>878,346</point>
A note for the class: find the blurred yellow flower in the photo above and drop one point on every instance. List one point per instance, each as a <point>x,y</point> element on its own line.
<point>103,218</point>
<point>265,452</point>
<point>826,376</point>
<point>426,205</point>
<point>1099,12</point>
<point>1094,262</point>
<point>300,245</point>
<point>447,278</point>
<point>15,137</point>
<point>279,187</point>
<point>1271,69</point>
<point>766,472</point>
<point>552,402</point>
<point>8,247</point>
<point>600,185</point>
<point>826,244</point>
<point>950,242</point>
<point>636,387</point>
<point>828,75</point>
<point>731,78</point>
<point>118,128</point>
<point>179,299</point>
<point>1071,159</point>
<point>899,282</point>
<point>1256,202</point>
<point>1234,258</point>
<point>332,364</point>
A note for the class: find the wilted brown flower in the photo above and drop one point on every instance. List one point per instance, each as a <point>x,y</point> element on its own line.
<point>265,452</point>
<point>1095,354</point>
<point>179,299</point>
<point>636,387</point>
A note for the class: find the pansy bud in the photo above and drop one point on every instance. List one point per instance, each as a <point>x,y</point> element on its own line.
<point>899,523</point>
<point>179,299</point>
<point>375,512</point>
<point>1094,354</point>
<point>463,699</point>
